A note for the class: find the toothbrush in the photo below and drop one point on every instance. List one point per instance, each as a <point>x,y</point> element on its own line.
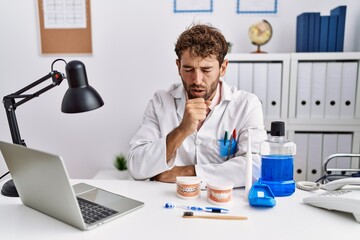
<point>195,208</point>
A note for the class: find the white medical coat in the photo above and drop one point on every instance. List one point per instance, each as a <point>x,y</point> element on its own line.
<point>238,110</point>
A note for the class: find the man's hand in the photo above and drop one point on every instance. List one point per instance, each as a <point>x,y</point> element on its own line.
<point>195,113</point>
<point>170,176</point>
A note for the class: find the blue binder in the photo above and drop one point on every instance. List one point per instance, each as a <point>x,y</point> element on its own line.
<point>341,13</point>
<point>324,32</point>
<point>311,30</point>
<point>316,42</point>
<point>302,32</point>
<point>332,36</point>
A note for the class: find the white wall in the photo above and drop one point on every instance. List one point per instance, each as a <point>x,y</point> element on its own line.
<point>133,56</point>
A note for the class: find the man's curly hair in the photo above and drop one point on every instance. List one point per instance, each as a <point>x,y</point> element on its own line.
<point>202,41</point>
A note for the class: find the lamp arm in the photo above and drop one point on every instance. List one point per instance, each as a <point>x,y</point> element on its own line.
<point>10,104</point>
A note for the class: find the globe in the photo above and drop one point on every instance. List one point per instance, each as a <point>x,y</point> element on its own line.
<point>260,33</point>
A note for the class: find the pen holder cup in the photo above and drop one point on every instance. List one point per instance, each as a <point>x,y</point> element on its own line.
<point>227,148</point>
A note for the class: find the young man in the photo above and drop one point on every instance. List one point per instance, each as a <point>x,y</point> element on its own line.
<point>183,130</point>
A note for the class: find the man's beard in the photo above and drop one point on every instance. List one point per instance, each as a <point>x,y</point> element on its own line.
<point>207,93</point>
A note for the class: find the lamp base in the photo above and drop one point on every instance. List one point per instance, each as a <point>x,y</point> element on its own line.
<point>9,189</point>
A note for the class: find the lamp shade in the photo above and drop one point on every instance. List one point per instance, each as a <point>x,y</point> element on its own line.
<point>80,97</point>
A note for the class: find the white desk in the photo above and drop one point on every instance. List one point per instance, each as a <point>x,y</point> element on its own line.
<point>289,219</point>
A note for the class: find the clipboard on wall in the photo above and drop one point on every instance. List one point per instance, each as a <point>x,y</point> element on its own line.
<point>58,39</point>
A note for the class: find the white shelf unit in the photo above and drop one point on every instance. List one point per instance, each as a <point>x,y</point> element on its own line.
<point>317,130</point>
<point>334,128</point>
<point>338,123</point>
<point>276,95</point>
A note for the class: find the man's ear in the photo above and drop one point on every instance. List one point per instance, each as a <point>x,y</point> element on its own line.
<point>178,65</point>
<point>223,67</point>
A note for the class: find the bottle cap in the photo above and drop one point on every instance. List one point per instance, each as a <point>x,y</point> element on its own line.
<point>277,128</point>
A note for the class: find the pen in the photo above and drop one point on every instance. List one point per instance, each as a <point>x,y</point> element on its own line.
<point>229,148</point>
<point>234,136</point>
<point>234,133</point>
<point>216,210</point>
<point>225,137</point>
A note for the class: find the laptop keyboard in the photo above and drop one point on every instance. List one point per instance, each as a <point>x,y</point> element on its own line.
<point>93,212</point>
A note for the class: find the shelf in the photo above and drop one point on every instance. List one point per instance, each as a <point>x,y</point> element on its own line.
<point>325,56</point>
<point>334,127</point>
<point>251,57</point>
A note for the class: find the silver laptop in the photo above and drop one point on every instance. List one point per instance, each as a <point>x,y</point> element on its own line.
<point>43,184</point>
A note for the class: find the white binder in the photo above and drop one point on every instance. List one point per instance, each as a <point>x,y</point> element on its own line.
<point>348,89</point>
<point>246,77</point>
<point>303,90</point>
<point>231,76</point>
<point>329,147</point>
<point>333,90</point>
<point>317,105</point>
<point>314,157</point>
<point>260,83</point>
<point>344,146</point>
<point>274,90</point>
<point>300,161</point>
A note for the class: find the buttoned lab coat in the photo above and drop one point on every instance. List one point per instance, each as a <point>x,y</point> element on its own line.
<point>238,110</point>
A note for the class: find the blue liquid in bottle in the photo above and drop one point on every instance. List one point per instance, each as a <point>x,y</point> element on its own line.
<point>277,159</point>
<point>277,173</point>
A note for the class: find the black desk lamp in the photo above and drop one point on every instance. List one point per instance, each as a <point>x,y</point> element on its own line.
<point>80,97</point>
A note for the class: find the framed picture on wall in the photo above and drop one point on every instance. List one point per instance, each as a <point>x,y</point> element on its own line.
<point>256,6</point>
<point>191,6</point>
<point>65,26</point>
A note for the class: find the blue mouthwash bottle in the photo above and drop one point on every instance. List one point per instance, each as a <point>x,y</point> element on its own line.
<point>277,158</point>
